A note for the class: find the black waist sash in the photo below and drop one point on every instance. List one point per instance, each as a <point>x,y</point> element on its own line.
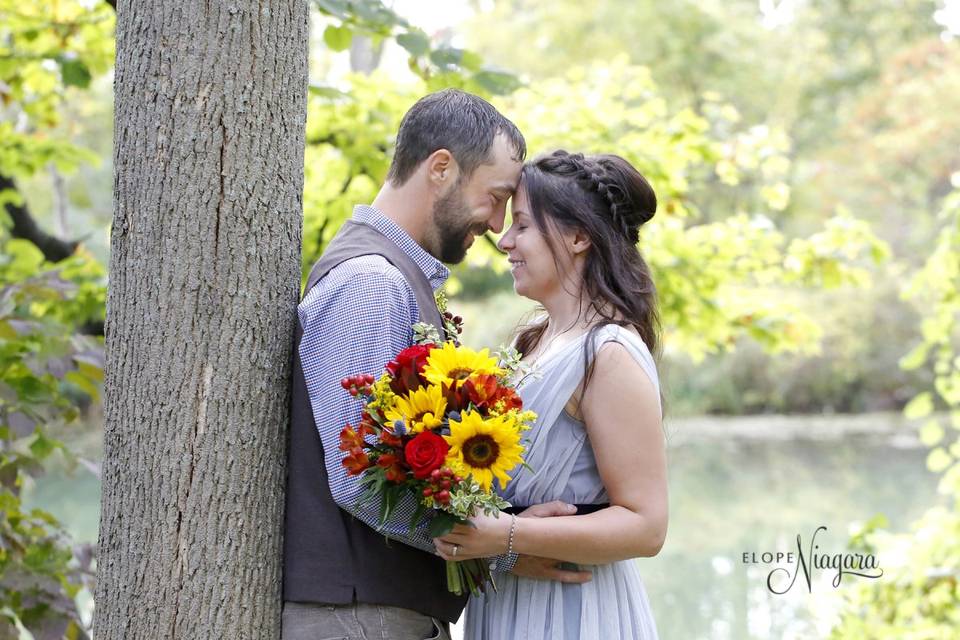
<point>582,509</point>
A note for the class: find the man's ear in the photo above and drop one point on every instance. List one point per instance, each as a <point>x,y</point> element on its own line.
<point>442,169</point>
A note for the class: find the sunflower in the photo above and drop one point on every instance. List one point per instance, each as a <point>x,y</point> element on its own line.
<point>451,364</point>
<point>484,448</point>
<point>419,410</point>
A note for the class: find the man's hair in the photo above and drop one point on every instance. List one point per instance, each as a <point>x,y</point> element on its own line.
<point>451,119</point>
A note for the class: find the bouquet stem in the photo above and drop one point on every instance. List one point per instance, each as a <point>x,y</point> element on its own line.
<point>472,574</point>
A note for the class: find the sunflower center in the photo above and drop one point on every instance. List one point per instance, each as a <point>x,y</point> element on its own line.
<point>460,373</point>
<point>480,451</point>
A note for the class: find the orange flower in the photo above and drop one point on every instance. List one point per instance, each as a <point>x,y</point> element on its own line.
<point>357,462</point>
<point>394,470</point>
<point>350,439</point>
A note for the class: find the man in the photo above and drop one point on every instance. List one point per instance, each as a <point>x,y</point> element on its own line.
<point>456,164</point>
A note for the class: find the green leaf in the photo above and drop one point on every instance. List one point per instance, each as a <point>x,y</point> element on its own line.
<point>496,82</point>
<point>920,407</point>
<point>442,524</point>
<point>84,383</point>
<point>415,42</point>
<point>43,446</point>
<point>338,38</point>
<point>418,514</point>
<point>938,460</point>
<point>470,60</point>
<point>446,56</point>
<point>74,73</point>
<point>916,358</point>
<point>931,433</point>
<point>90,371</point>
<point>26,257</point>
<point>327,92</point>
<point>335,8</point>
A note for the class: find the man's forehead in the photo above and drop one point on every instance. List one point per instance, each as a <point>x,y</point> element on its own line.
<point>501,176</point>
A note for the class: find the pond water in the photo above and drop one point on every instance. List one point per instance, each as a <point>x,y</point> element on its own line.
<point>736,486</point>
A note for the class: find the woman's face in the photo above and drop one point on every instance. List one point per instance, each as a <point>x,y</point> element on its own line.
<point>536,273</point>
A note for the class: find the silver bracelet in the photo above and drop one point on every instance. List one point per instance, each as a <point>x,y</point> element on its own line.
<point>513,529</point>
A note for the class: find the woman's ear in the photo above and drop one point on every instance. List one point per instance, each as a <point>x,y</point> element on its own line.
<point>579,242</point>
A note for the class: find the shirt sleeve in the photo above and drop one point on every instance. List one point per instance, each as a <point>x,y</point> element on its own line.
<point>503,563</point>
<point>355,321</point>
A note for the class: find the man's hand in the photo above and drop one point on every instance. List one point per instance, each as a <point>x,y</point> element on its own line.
<point>548,510</point>
<point>547,569</point>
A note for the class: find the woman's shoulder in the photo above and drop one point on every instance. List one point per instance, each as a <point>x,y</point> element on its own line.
<point>628,337</point>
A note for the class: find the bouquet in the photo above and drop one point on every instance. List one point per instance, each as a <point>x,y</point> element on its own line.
<point>440,424</point>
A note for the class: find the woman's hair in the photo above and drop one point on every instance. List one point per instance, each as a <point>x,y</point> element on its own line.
<point>606,198</point>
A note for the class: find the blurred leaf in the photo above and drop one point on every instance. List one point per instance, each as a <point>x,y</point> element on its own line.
<point>337,38</point>
<point>41,447</point>
<point>446,56</point>
<point>919,407</point>
<point>415,42</point>
<point>931,433</point>
<point>327,92</point>
<point>496,82</point>
<point>938,460</point>
<point>916,358</point>
<point>75,73</point>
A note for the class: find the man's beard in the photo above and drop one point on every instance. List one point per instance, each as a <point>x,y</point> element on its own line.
<point>451,218</point>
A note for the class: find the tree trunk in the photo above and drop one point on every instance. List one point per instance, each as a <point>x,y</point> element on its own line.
<point>210,109</point>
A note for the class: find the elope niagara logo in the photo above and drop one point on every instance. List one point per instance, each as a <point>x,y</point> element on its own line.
<point>854,564</point>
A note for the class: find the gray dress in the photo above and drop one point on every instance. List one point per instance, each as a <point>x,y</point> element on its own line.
<point>614,604</point>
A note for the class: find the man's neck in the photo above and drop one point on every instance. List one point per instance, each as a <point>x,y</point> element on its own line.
<point>405,208</point>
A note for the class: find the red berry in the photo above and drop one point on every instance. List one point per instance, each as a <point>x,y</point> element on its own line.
<point>353,391</point>
<point>444,496</point>
<point>435,475</point>
<point>458,479</point>
<point>427,492</point>
<point>345,383</point>
<point>445,484</point>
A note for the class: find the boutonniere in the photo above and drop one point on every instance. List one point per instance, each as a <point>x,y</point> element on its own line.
<point>452,325</point>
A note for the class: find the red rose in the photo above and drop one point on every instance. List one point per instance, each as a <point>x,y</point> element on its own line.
<point>425,453</point>
<point>405,369</point>
<point>411,356</point>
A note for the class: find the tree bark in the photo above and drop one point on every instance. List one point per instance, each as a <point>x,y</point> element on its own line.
<point>210,110</point>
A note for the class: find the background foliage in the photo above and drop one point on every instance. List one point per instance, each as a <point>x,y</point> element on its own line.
<point>806,245</point>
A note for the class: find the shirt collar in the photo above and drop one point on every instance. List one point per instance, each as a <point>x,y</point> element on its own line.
<point>435,271</point>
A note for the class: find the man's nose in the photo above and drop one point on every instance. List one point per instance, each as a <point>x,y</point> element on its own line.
<point>496,222</point>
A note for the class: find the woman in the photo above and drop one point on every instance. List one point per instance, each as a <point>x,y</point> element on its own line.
<point>598,440</point>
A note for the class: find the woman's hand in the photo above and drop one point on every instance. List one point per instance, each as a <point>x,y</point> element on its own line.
<point>485,537</point>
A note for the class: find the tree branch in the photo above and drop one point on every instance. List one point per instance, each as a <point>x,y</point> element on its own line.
<point>25,227</point>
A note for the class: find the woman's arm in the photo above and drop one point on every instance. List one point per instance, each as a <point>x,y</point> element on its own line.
<point>621,411</point>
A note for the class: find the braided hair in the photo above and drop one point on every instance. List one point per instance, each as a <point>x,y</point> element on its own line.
<point>608,199</point>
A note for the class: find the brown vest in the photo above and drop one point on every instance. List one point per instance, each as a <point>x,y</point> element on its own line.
<point>328,555</point>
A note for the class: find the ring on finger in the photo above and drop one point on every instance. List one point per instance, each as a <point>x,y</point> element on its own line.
<point>456,548</point>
